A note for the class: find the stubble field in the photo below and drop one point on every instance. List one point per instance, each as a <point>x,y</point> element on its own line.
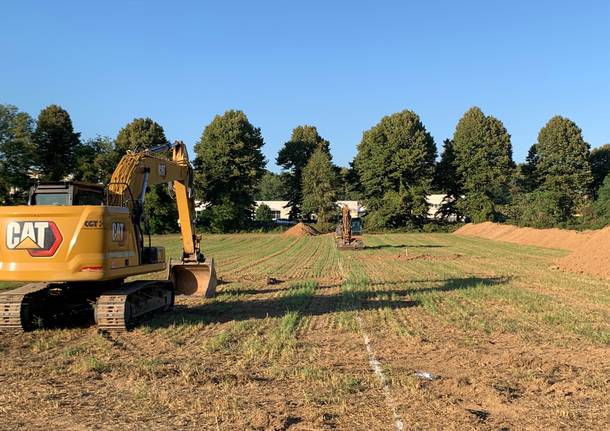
<point>304,337</point>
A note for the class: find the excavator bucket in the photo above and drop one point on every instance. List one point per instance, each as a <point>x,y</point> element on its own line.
<point>354,244</point>
<point>198,279</point>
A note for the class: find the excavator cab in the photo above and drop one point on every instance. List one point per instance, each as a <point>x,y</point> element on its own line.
<point>66,193</point>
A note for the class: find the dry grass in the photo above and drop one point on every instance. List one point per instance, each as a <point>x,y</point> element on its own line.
<point>517,344</point>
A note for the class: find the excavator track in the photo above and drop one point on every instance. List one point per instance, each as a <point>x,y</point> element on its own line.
<point>43,305</point>
<point>122,308</point>
<point>15,307</point>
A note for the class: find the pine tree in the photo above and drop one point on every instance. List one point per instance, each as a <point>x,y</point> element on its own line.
<point>320,187</point>
<point>446,181</point>
<point>293,157</point>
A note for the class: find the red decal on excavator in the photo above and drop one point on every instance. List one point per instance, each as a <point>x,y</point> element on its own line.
<point>39,238</point>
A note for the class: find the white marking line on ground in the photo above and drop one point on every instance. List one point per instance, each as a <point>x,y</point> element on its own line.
<point>376,366</point>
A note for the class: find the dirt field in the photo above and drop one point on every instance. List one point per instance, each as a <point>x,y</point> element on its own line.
<point>303,337</point>
<point>551,238</point>
<point>589,251</point>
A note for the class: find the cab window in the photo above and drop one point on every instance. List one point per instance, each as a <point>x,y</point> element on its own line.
<point>50,199</point>
<point>88,197</point>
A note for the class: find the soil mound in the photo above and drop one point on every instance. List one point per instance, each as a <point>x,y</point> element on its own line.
<point>592,257</point>
<point>590,249</point>
<point>550,238</point>
<point>301,229</point>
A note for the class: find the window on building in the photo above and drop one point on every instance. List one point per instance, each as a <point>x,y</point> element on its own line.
<point>275,215</point>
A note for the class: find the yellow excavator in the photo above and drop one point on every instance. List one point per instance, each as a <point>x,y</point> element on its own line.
<point>347,230</point>
<point>75,244</point>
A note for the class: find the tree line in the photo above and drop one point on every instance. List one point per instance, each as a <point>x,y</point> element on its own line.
<point>561,183</point>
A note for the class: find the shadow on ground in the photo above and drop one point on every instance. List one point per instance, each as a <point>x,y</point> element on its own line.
<point>353,297</point>
<point>402,246</point>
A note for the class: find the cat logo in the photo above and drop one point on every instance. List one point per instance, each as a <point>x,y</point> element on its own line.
<point>39,238</point>
<point>118,232</point>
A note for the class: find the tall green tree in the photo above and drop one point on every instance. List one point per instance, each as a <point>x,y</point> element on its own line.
<point>95,160</point>
<point>139,134</point>
<point>483,164</point>
<point>601,206</point>
<point>56,143</point>
<point>559,164</point>
<point>272,187</point>
<point>395,163</point>
<point>320,187</point>
<point>600,165</point>
<point>350,188</point>
<point>263,213</point>
<point>161,213</point>
<point>228,169</point>
<point>293,157</point>
<point>529,176</point>
<point>16,153</point>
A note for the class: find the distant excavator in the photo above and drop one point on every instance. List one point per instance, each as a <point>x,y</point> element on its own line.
<point>345,233</point>
<point>78,242</point>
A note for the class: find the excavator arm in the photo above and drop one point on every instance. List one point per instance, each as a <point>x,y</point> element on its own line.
<point>134,174</point>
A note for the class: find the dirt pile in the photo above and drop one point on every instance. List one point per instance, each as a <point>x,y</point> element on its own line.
<point>590,249</point>
<point>591,257</point>
<point>301,229</point>
<point>550,238</point>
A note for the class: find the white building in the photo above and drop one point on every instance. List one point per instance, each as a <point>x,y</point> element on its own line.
<point>281,211</point>
<point>355,208</point>
<point>435,201</point>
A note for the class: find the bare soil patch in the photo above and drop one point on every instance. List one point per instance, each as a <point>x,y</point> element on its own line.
<point>591,257</point>
<point>301,229</point>
<point>590,249</point>
<point>550,238</point>
<point>498,381</point>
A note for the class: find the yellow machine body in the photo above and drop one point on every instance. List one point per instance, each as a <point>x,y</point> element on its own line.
<point>70,243</point>
<point>76,242</point>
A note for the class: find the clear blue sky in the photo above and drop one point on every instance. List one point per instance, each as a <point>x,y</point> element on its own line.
<point>337,65</point>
